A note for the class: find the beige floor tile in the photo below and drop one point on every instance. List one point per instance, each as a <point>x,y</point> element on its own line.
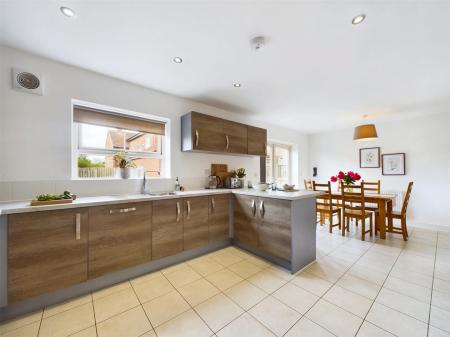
<point>413,277</point>
<point>368,274</point>
<point>237,251</point>
<point>435,332</point>
<point>245,294</point>
<point>145,278</point>
<point>152,288</point>
<point>369,330</point>
<point>114,304</point>
<point>441,300</point>
<point>440,318</point>
<point>188,324</point>
<point>224,279</point>
<point>198,291</point>
<point>166,307</point>
<point>131,323</point>
<point>55,309</point>
<point>20,322</point>
<point>275,315</point>
<point>441,285</point>
<point>266,281</point>
<point>405,304</point>
<point>258,261</point>
<point>226,259</point>
<point>307,328</point>
<point>30,330</point>
<point>352,302</point>
<point>395,322</point>
<point>183,276</point>
<point>312,283</point>
<point>206,266</point>
<point>89,332</point>
<point>359,286</point>
<point>296,297</point>
<point>281,272</point>
<point>68,322</point>
<point>218,311</point>
<point>173,268</point>
<point>246,326</point>
<point>110,290</point>
<point>336,320</point>
<point>245,269</point>
<point>420,293</point>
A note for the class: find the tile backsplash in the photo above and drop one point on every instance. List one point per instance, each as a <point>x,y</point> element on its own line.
<point>26,190</point>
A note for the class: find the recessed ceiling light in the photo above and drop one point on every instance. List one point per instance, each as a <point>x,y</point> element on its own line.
<point>69,12</point>
<point>358,19</point>
<point>177,59</point>
<point>237,85</point>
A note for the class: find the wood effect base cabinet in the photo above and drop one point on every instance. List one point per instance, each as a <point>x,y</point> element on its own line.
<point>47,251</point>
<point>167,228</point>
<point>119,237</point>
<point>219,219</point>
<point>264,223</point>
<point>195,222</point>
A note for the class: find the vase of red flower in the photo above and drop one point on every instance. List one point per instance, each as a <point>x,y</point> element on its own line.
<point>348,178</point>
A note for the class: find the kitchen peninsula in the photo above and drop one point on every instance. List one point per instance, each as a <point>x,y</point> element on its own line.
<point>68,250</point>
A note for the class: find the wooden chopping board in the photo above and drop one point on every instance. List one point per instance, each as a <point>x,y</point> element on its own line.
<point>220,170</point>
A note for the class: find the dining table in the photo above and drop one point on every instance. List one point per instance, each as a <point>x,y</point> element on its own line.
<point>384,204</point>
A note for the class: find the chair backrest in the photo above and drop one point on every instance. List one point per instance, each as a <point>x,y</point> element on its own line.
<point>353,198</point>
<point>372,187</point>
<point>407,196</point>
<point>326,198</point>
<point>308,184</point>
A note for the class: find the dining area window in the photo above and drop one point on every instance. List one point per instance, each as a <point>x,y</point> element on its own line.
<point>278,163</point>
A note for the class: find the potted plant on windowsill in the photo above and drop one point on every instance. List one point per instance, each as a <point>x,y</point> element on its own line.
<point>124,163</point>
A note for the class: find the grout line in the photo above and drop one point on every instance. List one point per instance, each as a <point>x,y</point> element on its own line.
<point>432,283</point>
<point>95,319</point>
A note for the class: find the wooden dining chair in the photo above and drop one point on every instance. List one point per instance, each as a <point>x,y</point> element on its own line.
<point>397,215</point>
<point>372,187</point>
<point>353,208</point>
<point>308,184</point>
<point>325,207</point>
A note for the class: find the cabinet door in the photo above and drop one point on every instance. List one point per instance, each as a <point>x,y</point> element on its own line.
<point>275,227</point>
<point>119,237</point>
<point>219,228</point>
<point>245,220</point>
<point>235,137</point>
<point>47,251</point>
<point>167,228</point>
<point>207,133</point>
<point>257,141</point>
<point>195,222</point>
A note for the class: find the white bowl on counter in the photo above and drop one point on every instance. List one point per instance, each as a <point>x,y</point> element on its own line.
<point>261,186</point>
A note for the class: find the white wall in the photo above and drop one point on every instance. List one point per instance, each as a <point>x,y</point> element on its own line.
<point>35,144</point>
<point>426,142</point>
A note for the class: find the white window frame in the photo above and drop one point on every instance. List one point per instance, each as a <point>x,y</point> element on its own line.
<point>164,153</point>
<point>274,144</point>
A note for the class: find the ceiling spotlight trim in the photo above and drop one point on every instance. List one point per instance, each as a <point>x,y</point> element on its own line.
<point>67,11</point>
<point>177,59</point>
<point>358,19</point>
<point>237,85</point>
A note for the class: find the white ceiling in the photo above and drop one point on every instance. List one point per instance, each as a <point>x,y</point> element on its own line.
<point>317,72</point>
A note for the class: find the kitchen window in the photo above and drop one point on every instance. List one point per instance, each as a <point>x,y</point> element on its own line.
<point>278,164</point>
<point>99,135</point>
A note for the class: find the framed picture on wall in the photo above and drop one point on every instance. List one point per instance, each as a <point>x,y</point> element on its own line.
<point>393,164</point>
<point>369,157</point>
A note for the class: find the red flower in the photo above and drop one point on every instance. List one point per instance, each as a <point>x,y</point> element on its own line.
<point>340,175</point>
<point>357,176</point>
<point>333,179</point>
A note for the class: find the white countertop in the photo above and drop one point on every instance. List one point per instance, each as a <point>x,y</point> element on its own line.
<point>24,206</point>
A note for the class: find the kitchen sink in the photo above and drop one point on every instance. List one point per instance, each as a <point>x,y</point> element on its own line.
<point>160,194</point>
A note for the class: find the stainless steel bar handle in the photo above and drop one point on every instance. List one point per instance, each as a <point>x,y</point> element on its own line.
<point>77,226</point>
<point>197,137</point>
<point>178,211</point>
<point>265,149</point>
<point>213,204</point>
<point>188,208</point>
<point>228,141</point>
<point>262,210</point>
<point>122,210</point>
<point>253,207</point>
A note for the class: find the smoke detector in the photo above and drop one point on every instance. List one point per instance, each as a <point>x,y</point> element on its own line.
<point>26,81</point>
<point>258,43</point>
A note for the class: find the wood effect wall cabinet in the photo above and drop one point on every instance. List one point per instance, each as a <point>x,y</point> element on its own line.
<point>246,220</point>
<point>274,227</point>
<point>167,228</point>
<point>120,237</point>
<point>235,137</point>
<point>202,133</point>
<point>219,227</point>
<point>257,141</point>
<point>47,251</point>
<point>195,222</point>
